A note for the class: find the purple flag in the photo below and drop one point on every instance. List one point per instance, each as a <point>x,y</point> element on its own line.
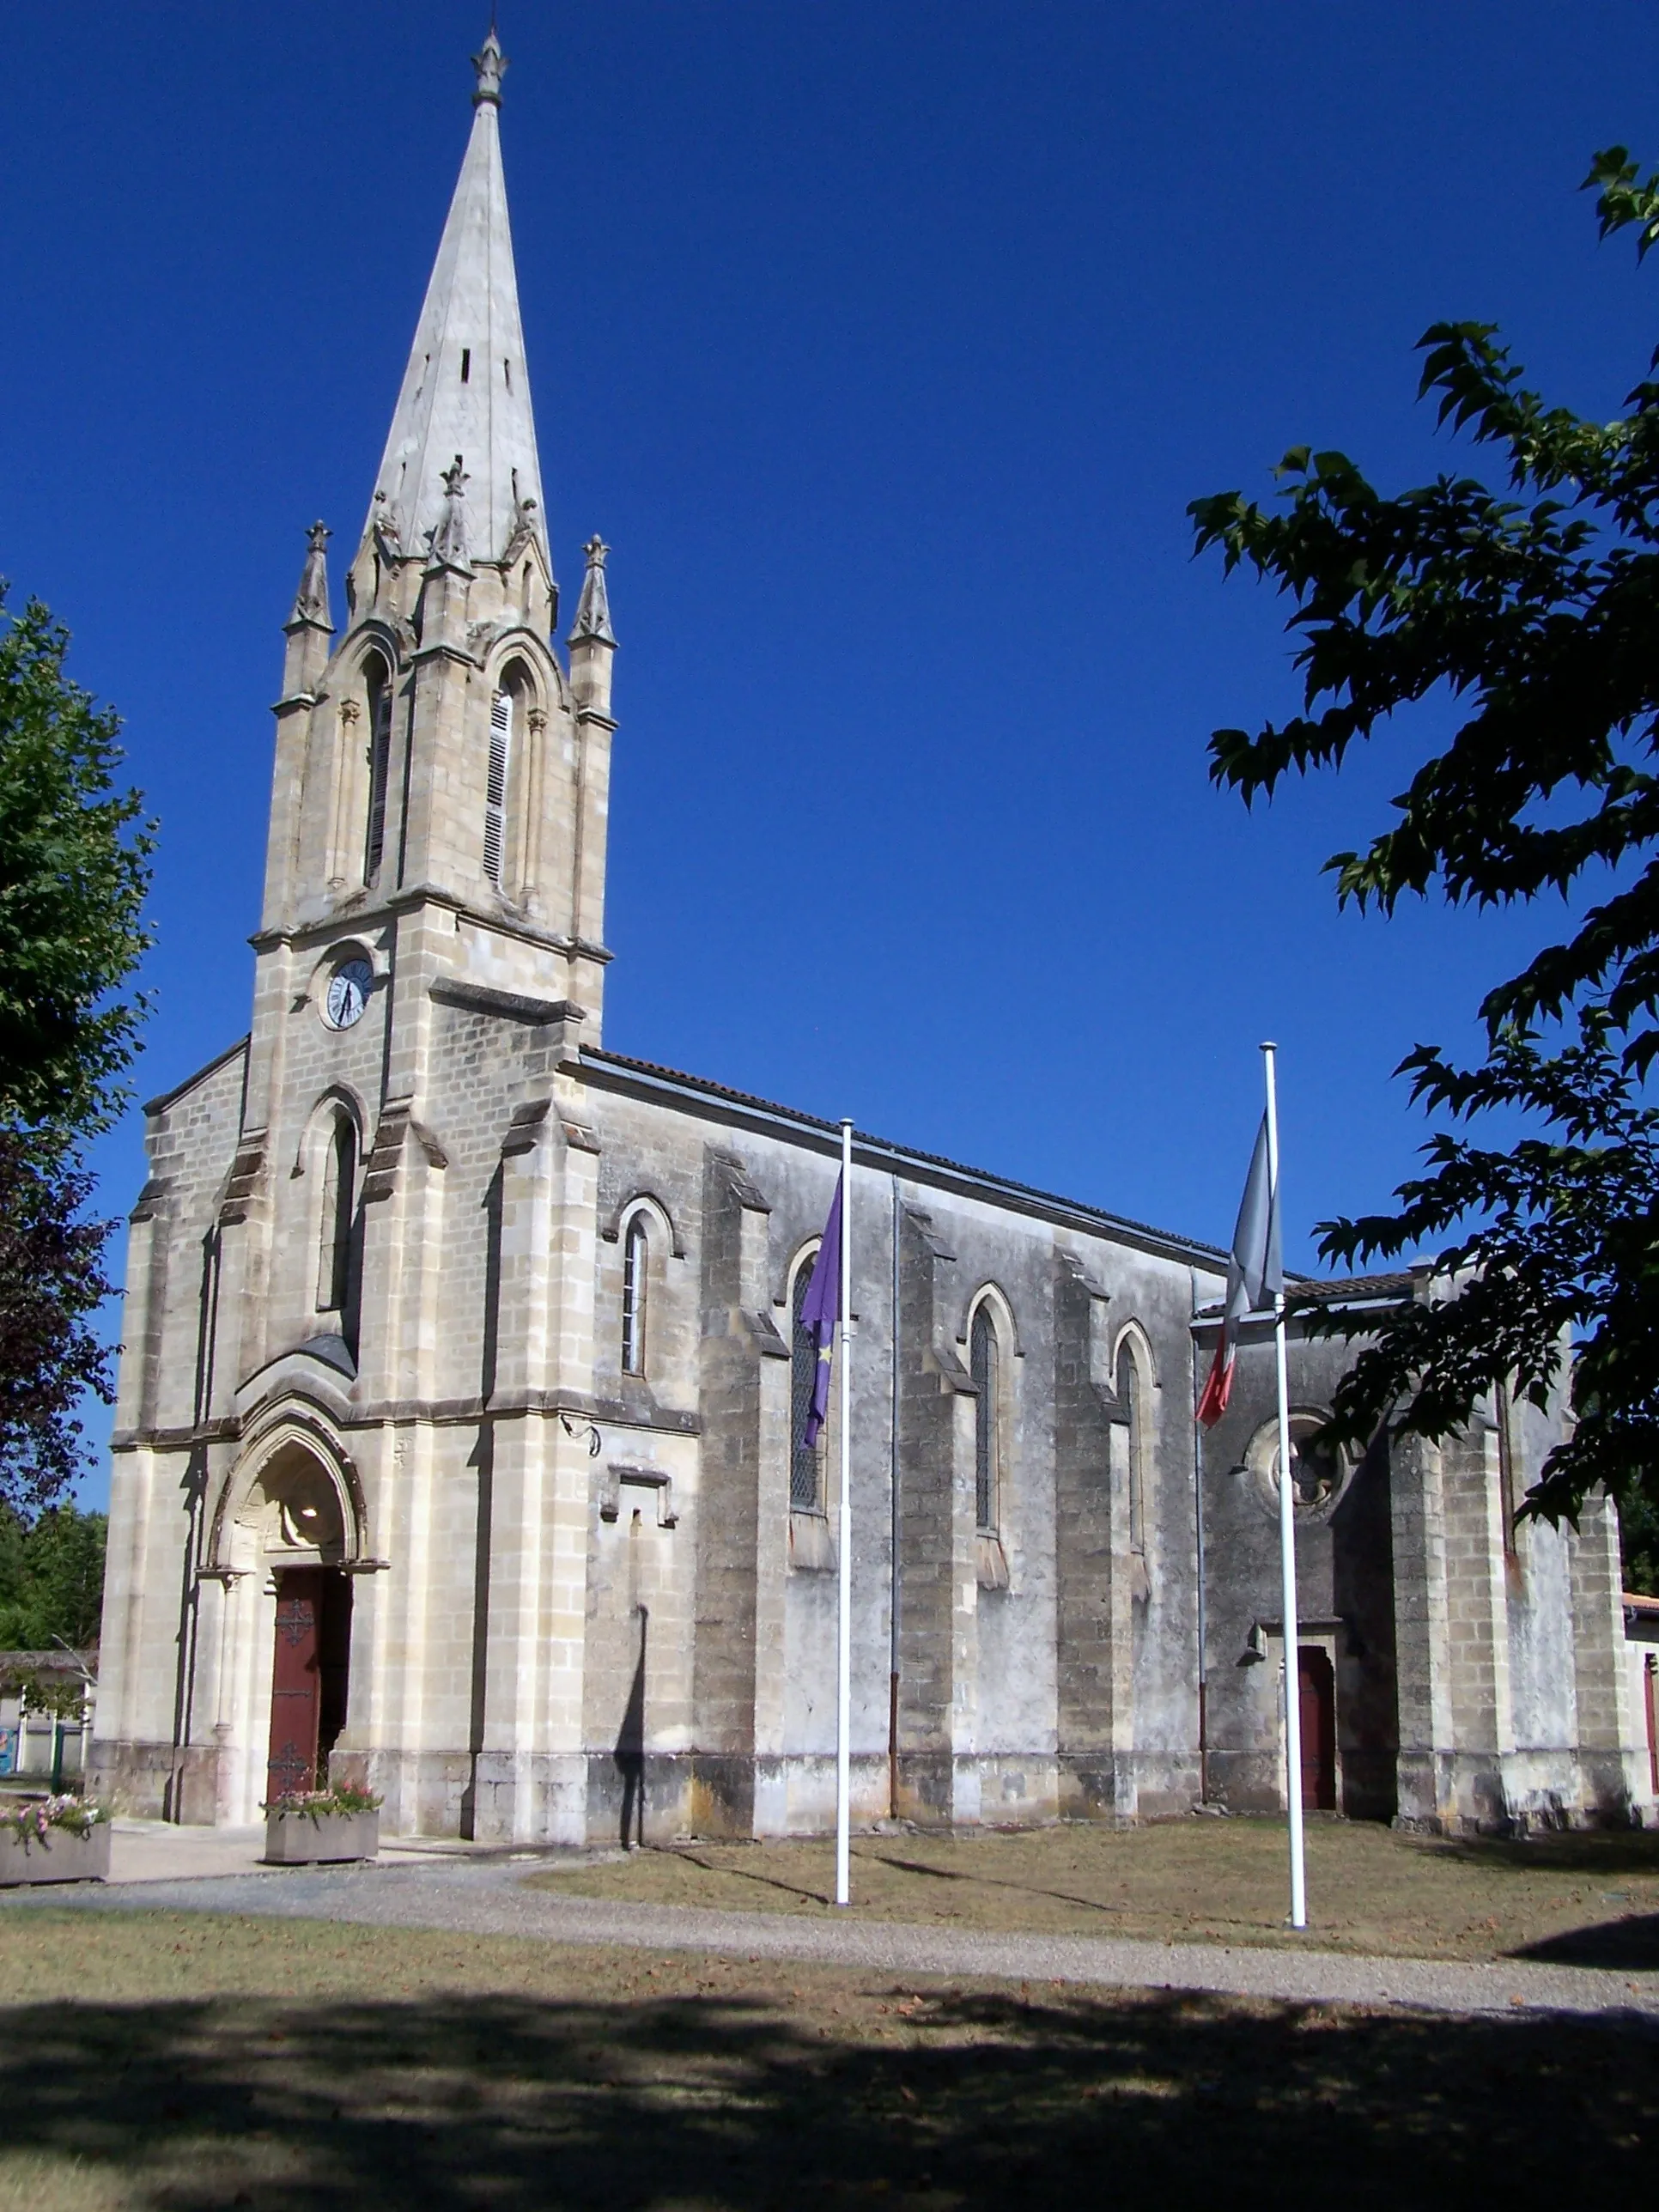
<point>818,1312</point>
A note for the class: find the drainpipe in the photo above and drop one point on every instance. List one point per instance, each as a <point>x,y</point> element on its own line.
<point>1197,1517</point>
<point>893,1555</point>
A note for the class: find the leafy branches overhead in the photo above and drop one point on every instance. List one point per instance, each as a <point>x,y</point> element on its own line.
<point>1537,608</point>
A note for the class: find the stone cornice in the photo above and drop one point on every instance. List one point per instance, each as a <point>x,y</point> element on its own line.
<point>305,935</point>
<point>439,1412</point>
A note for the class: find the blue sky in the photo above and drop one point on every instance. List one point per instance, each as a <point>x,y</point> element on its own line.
<point>886,345</point>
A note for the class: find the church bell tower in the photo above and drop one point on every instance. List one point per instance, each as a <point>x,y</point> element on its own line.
<point>441,780</point>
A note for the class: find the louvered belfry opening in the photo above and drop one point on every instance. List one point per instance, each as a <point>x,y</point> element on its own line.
<point>501,745</point>
<point>377,684</point>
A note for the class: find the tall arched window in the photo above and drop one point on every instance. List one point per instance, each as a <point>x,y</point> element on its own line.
<point>1130,1397</point>
<point>806,1460</point>
<point>338,1234</point>
<point>985,1363</point>
<point>501,749</point>
<point>376,682</point>
<point>636,1266</point>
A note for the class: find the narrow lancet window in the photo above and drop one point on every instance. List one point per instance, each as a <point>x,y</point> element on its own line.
<point>500,740</point>
<point>338,1224</point>
<point>985,1361</point>
<point>806,1460</point>
<point>1128,1396</point>
<point>377,684</point>
<point>637,1261</point>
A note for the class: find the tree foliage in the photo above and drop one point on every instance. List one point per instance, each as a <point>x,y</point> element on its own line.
<point>52,1285</point>
<point>74,874</point>
<point>51,1579</point>
<point>1535,608</point>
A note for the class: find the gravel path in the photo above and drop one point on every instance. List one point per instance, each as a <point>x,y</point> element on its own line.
<point>489,1898</point>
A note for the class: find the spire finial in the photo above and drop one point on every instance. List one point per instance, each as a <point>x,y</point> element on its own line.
<point>491,64</point>
<point>593,609</point>
<point>311,600</point>
<point>447,540</point>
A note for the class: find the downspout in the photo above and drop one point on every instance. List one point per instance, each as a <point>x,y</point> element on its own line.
<point>893,1553</point>
<point>1198,1515</point>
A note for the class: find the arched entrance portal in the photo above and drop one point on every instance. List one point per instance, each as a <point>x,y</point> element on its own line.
<point>292,1514</point>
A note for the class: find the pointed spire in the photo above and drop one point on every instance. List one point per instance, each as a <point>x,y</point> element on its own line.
<point>466,389</point>
<point>593,608</point>
<point>311,600</point>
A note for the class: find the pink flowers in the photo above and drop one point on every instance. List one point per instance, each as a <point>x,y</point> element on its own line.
<point>33,1820</point>
<point>338,1798</point>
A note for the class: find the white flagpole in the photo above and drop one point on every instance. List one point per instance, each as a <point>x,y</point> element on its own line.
<point>1286,1542</point>
<point>844,1619</point>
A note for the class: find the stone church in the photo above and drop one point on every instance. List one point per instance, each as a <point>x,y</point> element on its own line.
<point>458,1448</point>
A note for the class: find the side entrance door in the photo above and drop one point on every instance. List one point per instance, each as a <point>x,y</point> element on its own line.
<point>1316,1689</point>
<point>308,1674</point>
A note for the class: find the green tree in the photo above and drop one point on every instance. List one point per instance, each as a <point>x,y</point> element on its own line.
<point>51,1579</point>
<point>52,1285</point>
<point>1534,606</point>
<point>74,874</point>
<point>1638,1531</point>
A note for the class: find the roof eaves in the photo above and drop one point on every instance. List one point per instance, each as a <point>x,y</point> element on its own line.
<point>872,1147</point>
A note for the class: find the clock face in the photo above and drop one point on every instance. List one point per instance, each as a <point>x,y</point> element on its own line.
<point>349,987</point>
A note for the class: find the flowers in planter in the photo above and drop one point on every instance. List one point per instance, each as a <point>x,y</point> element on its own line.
<point>33,1820</point>
<point>333,1797</point>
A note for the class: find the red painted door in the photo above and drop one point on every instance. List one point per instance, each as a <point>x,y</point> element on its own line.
<point>295,1681</point>
<point>1317,1690</point>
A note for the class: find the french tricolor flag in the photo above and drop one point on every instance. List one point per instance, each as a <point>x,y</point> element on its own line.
<point>1255,1274</point>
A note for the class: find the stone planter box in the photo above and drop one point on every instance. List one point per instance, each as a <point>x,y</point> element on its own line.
<point>58,1856</point>
<point>320,1838</point>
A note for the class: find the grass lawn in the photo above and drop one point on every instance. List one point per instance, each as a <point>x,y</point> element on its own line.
<point>178,2061</point>
<point>1588,1900</point>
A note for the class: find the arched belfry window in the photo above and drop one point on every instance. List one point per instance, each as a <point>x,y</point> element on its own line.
<point>636,1273</point>
<point>337,1240</point>
<point>377,684</point>
<point>806,1460</point>
<point>1132,1396</point>
<point>985,1364</point>
<point>500,751</point>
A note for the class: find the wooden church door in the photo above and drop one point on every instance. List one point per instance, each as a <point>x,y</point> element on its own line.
<point>308,1674</point>
<point>1316,1691</point>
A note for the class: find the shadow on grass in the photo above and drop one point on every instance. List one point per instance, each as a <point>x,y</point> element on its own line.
<point>999,1881</point>
<point>748,1873</point>
<point>517,2103</point>
<point>972,1875</point>
<point>1628,1945</point>
<point>1587,1853</point>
